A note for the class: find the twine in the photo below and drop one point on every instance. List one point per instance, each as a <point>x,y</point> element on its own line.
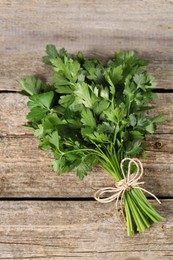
<point>126,184</point>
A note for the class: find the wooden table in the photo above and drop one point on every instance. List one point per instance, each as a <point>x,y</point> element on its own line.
<point>42,215</point>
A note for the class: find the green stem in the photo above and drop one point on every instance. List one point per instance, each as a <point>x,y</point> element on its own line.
<point>106,163</point>
<point>130,228</point>
<point>139,211</point>
<point>144,220</point>
<point>135,214</point>
<point>146,207</point>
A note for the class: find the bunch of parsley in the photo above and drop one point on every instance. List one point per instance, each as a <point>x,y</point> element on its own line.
<point>95,114</point>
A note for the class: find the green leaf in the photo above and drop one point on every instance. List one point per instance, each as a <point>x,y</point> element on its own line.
<point>132,120</point>
<point>61,80</point>
<point>150,128</point>
<point>116,115</point>
<point>67,162</point>
<point>83,95</point>
<point>63,53</point>
<point>66,71</point>
<point>108,79</point>
<point>140,80</point>
<point>86,131</point>
<point>101,138</point>
<point>159,119</point>
<point>74,123</point>
<point>106,127</point>
<point>55,165</point>
<point>94,70</point>
<point>85,166</point>
<point>58,63</point>
<point>63,89</point>
<point>43,100</point>
<point>116,74</point>
<point>104,93</point>
<point>66,100</point>
<point>44,144</point>
<point>81,171</point>
<point>88,118</point>
<point>101,106</point>
<point>37,114</point>
<point>136,135</point>
<point>80,56</point>
<point>31,85</point>
<point>54,139</point>
<point>51,121</point>
<point>51,51</point>
<point>39,132</point>
<point>133,149</point>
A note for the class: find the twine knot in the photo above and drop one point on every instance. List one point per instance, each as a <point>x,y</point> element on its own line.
<point>126,184</point>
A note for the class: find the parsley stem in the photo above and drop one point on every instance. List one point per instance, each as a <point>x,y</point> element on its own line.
<point>139,211</point>
<point>105,161</point>
<point>130,228</point>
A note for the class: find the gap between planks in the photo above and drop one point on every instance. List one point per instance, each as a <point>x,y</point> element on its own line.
<point>80,199</point>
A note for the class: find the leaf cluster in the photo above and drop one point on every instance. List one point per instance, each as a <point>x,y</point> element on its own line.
<point>91,113</point>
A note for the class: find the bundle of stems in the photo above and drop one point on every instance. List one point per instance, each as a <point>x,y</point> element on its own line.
<point>137,210</point>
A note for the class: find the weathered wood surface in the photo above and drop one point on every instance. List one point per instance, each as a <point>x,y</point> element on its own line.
<point>25,171</point>
<point>98,28</point>
<point>79,230</point>
<point>76,229</point>
<point>13,111</point>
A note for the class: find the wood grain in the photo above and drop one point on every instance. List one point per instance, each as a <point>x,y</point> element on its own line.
<point>13,107</point>
<point>99,28</point>
<point>78,230</point>
<point>25,171</point>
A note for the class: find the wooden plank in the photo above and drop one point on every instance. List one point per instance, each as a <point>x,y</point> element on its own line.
<point>98,28</point>
<point>25,171</point>
<point>14,110</point>
<point>78,230</point>
<point>13,107</point>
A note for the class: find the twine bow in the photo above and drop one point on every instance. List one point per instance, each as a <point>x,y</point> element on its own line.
<point>127,183</point>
